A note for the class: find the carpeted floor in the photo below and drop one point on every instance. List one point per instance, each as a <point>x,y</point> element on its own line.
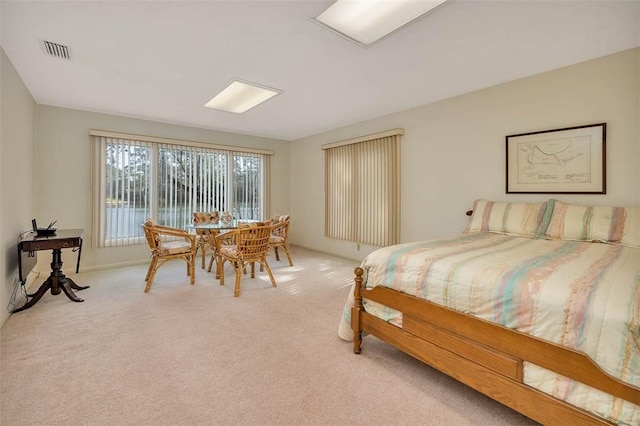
<point>195,355</point>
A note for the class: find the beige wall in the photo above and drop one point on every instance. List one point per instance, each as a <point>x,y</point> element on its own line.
<point>17,114</point>
<point>453,151</point>
<point>63,172</point>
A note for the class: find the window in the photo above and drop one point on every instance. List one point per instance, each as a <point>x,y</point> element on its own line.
<point>362,189</point>
<point>140,177</point>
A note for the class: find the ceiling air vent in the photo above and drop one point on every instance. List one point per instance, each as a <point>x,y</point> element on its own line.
<point>54,49</point>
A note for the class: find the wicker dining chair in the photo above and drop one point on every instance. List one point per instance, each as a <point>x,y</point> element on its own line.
<point>243,247</point>
<point>280,235</point>
<point>166,244</point>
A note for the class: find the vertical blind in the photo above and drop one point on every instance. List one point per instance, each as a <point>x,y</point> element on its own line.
<point>146,177</point>
<point>362,189</point>
<point>190,179</point>
<point>125,192</point>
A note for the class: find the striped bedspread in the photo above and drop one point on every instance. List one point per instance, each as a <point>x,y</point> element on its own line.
<point>582,295</point>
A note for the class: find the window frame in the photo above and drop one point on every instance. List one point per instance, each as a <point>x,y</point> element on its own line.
<point>99,140</point>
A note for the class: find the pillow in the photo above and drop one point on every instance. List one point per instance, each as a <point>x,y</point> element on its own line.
<point>254,224</point>
<point>277,218</point>
<point>615,225</point>
<point>520,219</point>
<point>201,218</point>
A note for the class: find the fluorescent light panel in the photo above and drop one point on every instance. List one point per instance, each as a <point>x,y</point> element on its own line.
<point>366,21</point>
<point>239,97</point>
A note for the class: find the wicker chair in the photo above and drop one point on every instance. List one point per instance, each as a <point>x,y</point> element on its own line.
<point>280,235</point>
<point>204,239</point>
<point>242,247</point>
<point>167,244</point>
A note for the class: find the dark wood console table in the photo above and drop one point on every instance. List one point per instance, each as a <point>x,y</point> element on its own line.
<point>57,281</point>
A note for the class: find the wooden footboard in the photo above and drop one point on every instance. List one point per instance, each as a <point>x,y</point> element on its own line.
<point>483,355</point>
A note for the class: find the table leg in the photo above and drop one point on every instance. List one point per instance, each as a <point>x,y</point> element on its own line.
<point>35,296</point>
<point>75,286</point>
<point>60,281</point>
<point>66,288</point>
<point>57,282</point>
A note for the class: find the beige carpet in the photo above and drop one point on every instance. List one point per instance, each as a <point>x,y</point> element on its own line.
<point>195,355</point>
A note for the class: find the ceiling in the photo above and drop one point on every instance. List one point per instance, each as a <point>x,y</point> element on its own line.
<point>163,60</point>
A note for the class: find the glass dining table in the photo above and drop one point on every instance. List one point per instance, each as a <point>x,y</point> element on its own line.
<point>207,233</point>
<point>220,226</point>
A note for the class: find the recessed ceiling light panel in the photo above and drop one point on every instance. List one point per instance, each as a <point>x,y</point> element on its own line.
<point>240,96</point>
<point>366,21</point>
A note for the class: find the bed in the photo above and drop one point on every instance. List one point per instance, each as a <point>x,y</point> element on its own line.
<point>536,305</point>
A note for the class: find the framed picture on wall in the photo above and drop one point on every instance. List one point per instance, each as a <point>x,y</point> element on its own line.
<point>558,161</point>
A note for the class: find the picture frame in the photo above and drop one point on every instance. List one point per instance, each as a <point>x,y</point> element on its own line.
<point>571,160</point>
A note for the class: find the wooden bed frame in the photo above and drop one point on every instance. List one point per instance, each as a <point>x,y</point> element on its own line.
<point>483,355</point>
